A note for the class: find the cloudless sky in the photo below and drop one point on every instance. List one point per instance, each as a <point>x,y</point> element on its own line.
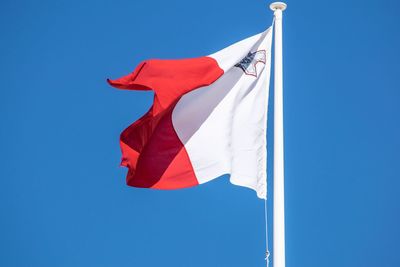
<point>63,198</point>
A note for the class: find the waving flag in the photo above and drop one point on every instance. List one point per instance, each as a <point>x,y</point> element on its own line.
<point>208,119</point>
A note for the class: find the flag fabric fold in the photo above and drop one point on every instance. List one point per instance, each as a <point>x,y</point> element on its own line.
<point>208,119</point>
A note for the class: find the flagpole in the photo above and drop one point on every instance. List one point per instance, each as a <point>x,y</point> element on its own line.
<point>279,189</point>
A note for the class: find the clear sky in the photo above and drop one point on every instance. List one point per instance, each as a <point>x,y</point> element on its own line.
<point>63,198</point>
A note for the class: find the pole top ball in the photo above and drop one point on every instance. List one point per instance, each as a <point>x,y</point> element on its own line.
<point>277,6</point>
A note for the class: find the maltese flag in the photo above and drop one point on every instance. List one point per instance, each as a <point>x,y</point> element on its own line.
<point>208,119</point>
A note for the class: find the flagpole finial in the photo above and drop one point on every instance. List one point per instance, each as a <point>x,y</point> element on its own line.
<point>277,6</point>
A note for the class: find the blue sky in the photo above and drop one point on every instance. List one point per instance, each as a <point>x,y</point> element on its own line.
<point>63,198</point>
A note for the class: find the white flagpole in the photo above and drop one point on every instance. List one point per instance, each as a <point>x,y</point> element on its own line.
<point>279,189</point>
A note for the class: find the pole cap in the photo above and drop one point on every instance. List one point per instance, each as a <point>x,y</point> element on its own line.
<point>277,6</point>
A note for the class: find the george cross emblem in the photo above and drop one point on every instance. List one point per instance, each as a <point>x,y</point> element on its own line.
<point>248,63</point>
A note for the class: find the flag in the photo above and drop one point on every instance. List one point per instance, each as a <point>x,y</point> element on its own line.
<point>208,118</point>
